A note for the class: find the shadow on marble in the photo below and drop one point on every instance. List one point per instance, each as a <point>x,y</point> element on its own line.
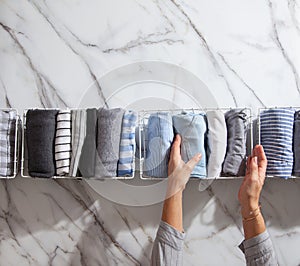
<point>68,222</point>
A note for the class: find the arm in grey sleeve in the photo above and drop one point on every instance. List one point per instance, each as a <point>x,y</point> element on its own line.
<point>167,247</point>
<point>259,250</point>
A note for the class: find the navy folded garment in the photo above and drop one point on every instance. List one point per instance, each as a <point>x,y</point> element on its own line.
<point>40,136</point>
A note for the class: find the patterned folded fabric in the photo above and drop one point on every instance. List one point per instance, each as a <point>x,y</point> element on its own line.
<point>63,142</point>
<point>276,134</point>
<point>40,135</point>
<point>7,142</point>
<point>127,144</point>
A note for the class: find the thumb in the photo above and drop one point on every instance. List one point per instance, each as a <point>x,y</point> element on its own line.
<point>190,165</point>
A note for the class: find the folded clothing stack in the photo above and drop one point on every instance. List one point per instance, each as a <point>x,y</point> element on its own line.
<point>221,139</point>
<point>193,131</point>
<point>159,140</point>
<point>108,140</point>
<point>88,143</point>
<point>40,136</point>
<point>235,159</point>
<point>63,143</point>
<point>276,134</point>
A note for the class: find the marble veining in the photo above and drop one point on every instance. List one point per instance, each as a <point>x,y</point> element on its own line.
<point>54,53</point>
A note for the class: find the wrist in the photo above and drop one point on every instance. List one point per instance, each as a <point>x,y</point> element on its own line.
<point>248,208</point>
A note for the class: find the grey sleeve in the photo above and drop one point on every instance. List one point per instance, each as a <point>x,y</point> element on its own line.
<point>259,250</point>
<point>167,247</point>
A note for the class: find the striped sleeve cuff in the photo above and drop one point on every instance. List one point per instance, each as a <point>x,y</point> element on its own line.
<point>170,236</point>
<point>257,245</point>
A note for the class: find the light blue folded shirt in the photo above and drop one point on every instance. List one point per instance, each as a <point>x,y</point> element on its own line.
<point>193,131</point>
<point>159,140</point>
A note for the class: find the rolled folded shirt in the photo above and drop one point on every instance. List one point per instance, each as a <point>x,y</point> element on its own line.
<point>7,142</point>
<point>193,131</point>
<point>63,142</point>
<point>159,140</point>
<point>217,142</point>
<point>276,135</point>
<point>108,141</point>
<point>40,135</point>
<point>235,159</point>
<point>78,137</point>
<point>127,144</point>
<point>88,153</point>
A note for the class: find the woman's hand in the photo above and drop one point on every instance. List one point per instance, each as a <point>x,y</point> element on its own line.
<point>251,187</point>
<point>178,171</point>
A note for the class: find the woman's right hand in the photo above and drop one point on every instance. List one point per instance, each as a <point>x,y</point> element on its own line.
<point>179,172</point>
<point>251,187</point>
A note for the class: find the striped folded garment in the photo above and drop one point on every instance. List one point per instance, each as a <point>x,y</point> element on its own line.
<point>7,142</point>
<point>127,144</point>
<point>63,142</point>
<point>276,134</point>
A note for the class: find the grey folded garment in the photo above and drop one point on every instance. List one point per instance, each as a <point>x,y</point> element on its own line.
<point>296,144</point>
<point>63,142</point>
<point>40,134</point>
<point>88,152</point>
<point>108,141</point>
<point>235,159</point>
<point>78,137</point>
<point>7,142</point>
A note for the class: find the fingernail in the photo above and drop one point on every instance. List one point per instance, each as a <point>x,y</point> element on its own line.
<point>254,159</point>
<point>199,156</point>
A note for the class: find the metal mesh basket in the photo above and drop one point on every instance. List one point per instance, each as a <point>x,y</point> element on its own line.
<point>24,156</point>
<point>143,123</point>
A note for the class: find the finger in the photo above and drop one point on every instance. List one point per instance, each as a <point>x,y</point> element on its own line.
<point>262,161</point>
<point>190,165</point>
<point>175,150</point>
<point>248,166</point>
<point>260,153</point>
<point>254,167</point>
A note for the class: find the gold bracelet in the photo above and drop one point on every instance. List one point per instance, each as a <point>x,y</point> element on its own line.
<point>255,213</point>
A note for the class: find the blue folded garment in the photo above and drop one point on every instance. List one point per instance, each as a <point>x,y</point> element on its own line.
<point>159,140</point>
<point>127,144</point>
<point>193,131</point>
<point>276,134</point>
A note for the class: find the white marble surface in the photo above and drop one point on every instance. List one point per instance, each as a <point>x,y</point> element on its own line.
<point>51,54</point>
